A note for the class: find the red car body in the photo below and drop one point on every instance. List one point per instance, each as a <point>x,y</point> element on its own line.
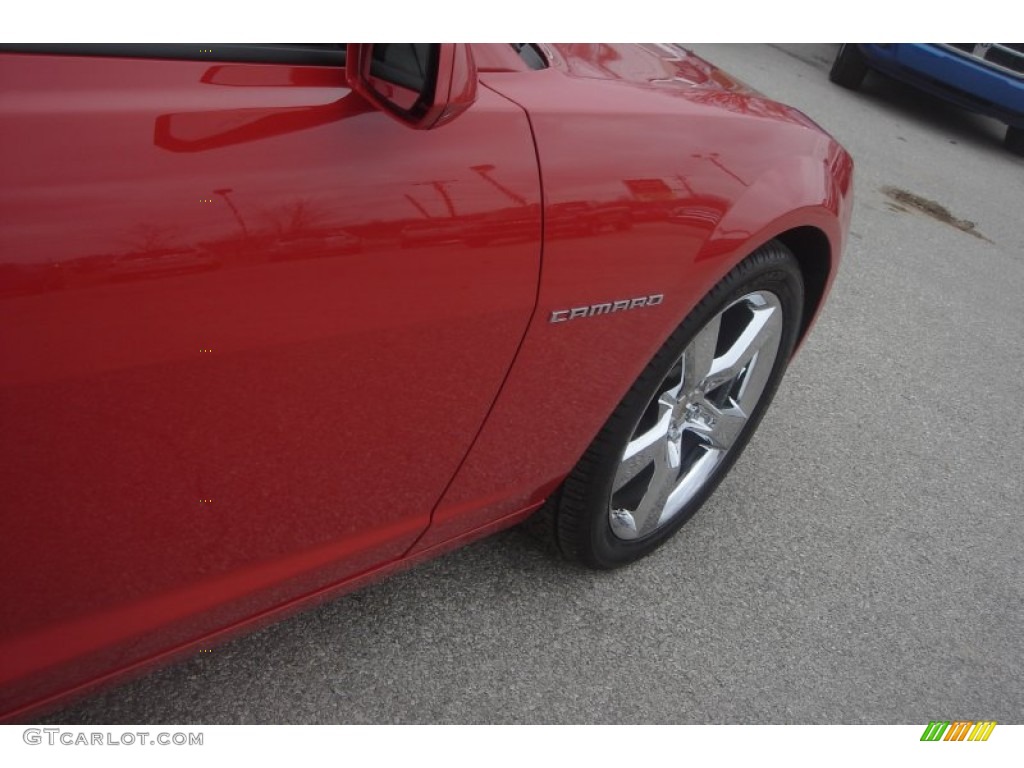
<point>262,342</point>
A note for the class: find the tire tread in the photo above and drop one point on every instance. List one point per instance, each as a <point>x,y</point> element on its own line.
<point>849,68</point>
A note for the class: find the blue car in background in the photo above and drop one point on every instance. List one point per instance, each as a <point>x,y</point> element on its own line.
<point>987,78</point>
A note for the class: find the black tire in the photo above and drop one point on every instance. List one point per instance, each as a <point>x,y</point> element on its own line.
<point>1014,140</point>
<point>579,519</point>
<point>849,68</point>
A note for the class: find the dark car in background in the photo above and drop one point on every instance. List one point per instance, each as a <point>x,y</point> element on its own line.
<point>987,78</point>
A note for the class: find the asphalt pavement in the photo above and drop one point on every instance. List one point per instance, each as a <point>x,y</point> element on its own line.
<point>863,563</point>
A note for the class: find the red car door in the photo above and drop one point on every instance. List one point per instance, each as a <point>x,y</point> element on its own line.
<point>250,327</point>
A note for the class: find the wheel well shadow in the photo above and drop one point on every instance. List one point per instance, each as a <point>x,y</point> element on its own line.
<point>811,248</point>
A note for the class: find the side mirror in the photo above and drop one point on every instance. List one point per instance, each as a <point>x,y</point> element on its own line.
<point>423,85</point>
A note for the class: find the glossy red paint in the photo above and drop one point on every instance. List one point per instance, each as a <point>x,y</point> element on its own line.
<point>660,187</point>
<point>456,84</point>
<point>263,342</point>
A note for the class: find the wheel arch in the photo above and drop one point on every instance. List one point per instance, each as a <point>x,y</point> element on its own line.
<point>804,203</point>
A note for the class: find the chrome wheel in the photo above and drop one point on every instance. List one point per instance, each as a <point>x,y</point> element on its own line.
<point>696,416</point>
<point>678,430</point>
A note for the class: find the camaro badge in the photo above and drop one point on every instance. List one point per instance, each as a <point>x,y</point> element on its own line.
<point>561,315</point>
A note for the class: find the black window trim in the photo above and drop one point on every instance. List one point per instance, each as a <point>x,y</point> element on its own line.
<point>261,53</point>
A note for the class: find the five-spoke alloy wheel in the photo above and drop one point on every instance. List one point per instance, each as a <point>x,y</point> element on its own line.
<point>695,419</point>
<point>687,418</point>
